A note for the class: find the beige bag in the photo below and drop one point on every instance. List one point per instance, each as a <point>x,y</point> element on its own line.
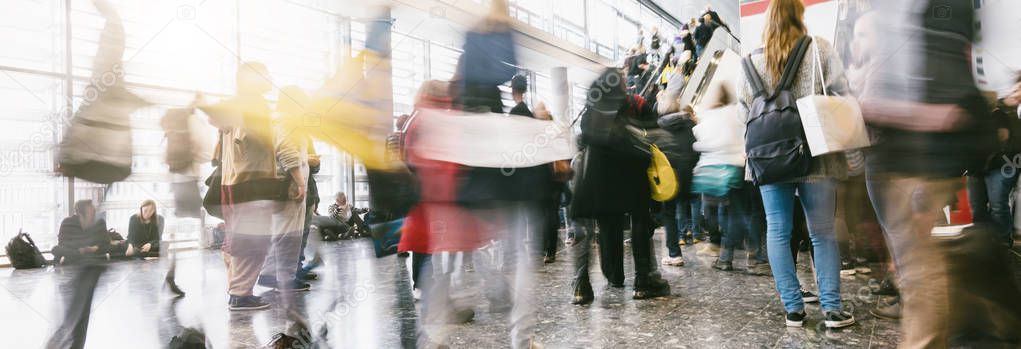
<point>832,123</point>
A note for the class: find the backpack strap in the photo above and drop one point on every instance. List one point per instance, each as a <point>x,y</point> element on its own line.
<point>753,77</point>
<point>794,59</point>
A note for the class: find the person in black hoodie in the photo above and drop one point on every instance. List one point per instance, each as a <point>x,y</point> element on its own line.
<point>144,231</point>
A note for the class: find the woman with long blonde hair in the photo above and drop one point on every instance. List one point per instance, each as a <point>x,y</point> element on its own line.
<point>816,190</point>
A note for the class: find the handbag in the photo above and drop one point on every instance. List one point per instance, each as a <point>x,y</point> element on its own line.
<point>662,178</point>
<point>386,236</point>
<point>212,200</point>
<point>831,123</point>
<point>393,191</point>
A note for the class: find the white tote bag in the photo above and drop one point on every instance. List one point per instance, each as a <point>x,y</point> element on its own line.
<point>832,123</point>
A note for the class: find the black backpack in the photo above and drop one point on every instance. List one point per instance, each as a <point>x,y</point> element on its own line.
<point>23,253</point>
<point>775,140</point>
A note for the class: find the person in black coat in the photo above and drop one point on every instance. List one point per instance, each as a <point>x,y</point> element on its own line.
<point>82,236</point>
<point>611,184</point>
<point>144,231</point>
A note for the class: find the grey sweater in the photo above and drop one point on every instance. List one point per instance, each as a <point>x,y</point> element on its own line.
<point>832,165</point>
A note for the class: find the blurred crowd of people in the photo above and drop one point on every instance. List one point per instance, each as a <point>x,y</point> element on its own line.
<point>863,210</point>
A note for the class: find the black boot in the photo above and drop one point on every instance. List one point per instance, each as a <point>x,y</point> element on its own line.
<point>651,287</point>
<point>582,292</point>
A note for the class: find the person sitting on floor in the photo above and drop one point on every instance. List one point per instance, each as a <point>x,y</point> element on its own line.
<point>342,217</point>
<point>144,231</point>
<point>82,236</point>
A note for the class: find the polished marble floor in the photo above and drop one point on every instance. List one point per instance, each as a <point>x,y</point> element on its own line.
<point>366,302</point>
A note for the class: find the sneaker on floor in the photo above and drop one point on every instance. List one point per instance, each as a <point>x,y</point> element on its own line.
<point>759,269</point>
<point>246,303</point>
<point>549,258</point>
<point>416,294</point>
<point>796,319</point>
<point>809,297</point>
<point>682,242</point>
<point>890,311</point>
<point>862,269</point>
<point>710,250</point>
<point>724,266</point>
<point>569,241</point>
<point>674,261</point>
<point>838,319</point>
<point>469,268</point>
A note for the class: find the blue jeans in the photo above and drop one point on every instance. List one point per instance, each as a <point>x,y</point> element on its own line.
<point>671,211</point>
<point>989,196</point>
<point>819,202</point>
<point>691,216</point>
<point>745,223</point>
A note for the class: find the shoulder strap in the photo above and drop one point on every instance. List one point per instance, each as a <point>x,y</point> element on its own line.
<point>794,59</point>
<point>753,77</point>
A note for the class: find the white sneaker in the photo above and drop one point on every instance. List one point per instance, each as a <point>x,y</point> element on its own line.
<point>417,294</point>
<point>674,261</point>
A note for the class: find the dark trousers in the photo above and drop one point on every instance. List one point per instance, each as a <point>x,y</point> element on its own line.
<point>672,210</point>
<point>746,223</point>
<point>715,212</point>
<point>550,227</point>
<point>641,245</point>
<point>690,209</point>
<point>72,256</point>
<point>989,196</point>
<point>611,247</point>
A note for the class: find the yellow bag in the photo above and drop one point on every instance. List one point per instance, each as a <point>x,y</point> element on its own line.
<point>662,178</point>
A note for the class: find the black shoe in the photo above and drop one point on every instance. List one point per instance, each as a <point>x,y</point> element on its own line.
<point>886,288</point>
<point>310,276</point>
<point>809,297</point>
<point>796,319</point>
<point>295,286</point>
<point>246,303</point>
<point>654,287</point>
<point>403,255</point>
<point>838,319</point>
<point>582,292</point>
<point>724,266</point>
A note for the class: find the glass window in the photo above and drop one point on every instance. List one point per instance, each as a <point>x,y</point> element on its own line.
<point>31,198</point>
<point>32,34</point>
<point>572,11</point>
<point>409,71</point>
<point>604,14</point>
